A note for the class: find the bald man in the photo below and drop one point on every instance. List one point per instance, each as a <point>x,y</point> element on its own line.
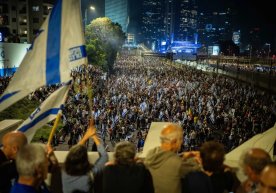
<point>166,167</point>
<point>253,162</point>
<point>268,179</point>
<point>12,142</point>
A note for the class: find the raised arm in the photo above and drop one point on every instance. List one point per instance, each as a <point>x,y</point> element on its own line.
<point>103,157</point>
<point>90,132</point>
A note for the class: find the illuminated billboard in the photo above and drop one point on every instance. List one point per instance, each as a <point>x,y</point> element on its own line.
<point>11,55</point>
<point>213,50</point>
<point>236,37</point>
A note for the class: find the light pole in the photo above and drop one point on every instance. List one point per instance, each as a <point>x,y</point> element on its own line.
<point>85,14</point>
<point>267,44</point>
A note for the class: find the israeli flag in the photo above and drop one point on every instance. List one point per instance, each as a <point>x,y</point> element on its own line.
<point>58,47</point>
<point>47,112</point>
<point>124,112</point>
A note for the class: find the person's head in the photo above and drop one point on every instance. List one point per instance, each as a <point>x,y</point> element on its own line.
<point>212,155</point>
<point>12,142</point>
<point>77,163</point>
<point>268,179</point>
<point>124,153</point>
<point>254,161</point>
<point>171,137</point>
<point>32,163</point>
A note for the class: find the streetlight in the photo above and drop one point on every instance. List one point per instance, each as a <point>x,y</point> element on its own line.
<point>267,44</point>
<point>92,8</point>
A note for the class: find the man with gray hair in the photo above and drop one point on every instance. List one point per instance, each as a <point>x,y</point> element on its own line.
<point>253,162</point>
<point>166,167</point>
<point>32,167</point>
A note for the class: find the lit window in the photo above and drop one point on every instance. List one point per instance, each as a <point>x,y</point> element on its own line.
<point>36,8</point>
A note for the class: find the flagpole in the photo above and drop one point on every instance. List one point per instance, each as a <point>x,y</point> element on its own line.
<point>53,130</point>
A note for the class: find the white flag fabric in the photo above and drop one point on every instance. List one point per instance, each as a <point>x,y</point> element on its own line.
<point>47,111</point>
<point>58,47</point>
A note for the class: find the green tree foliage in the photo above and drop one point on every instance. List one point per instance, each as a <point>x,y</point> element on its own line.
<point>103,39</point>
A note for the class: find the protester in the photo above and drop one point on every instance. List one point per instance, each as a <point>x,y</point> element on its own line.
<point>142,90</point>
<point>166,167</point>
<point>12,142</point>
<point>268,179</point>
<point>253,162</point>
<point>125,174</point>
<point>32,167</point>
<point>223,179</point>
<point>78,173</point>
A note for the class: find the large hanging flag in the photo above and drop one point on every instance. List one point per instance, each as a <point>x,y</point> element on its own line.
<point>58,47</point>
<point>47,112</point>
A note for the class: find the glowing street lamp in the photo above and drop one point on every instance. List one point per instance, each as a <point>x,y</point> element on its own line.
<point>92,8</point>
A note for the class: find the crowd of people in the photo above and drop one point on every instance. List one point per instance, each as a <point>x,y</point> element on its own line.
<point>146,89</point>
<point>143,90</point>
<point>24,167</point>
<point>211,115</point>
<point>4,81</point>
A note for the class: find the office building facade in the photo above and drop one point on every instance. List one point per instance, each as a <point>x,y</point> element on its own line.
<point>117,11</point>
<point>187,20</point>
<point>20,20</point>
<point>166,21</point>
<point>215,26</point>
<point>152,22</point>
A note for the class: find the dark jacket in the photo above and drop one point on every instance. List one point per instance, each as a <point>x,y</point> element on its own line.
<point>8,173</point>
<point>224,181</point>
<point>127,179</point>
<point>196,182</point>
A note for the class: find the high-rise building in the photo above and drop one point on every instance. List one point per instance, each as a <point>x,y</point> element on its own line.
<point>215,26</point>
<point>166,21</point>
<point>22,18</point>
<point>187,20</point>
<point>117,11</point>
<point>169,20</point>
<point>152,21</point>
<point>254,39</point>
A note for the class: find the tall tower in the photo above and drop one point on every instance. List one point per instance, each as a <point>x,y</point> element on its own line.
<point>215,26</point>
<point>152,21</point>
<point>187,20</point>
<point>117,11</point>
<point>169,20</point>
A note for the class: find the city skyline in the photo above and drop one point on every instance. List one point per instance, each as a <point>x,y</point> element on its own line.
<point>253,19</point>
<point>248,16</point>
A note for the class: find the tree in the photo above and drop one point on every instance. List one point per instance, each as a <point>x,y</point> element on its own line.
<point>103,39</point>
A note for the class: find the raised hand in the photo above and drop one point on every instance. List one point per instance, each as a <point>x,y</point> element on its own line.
<point>91,130</point>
